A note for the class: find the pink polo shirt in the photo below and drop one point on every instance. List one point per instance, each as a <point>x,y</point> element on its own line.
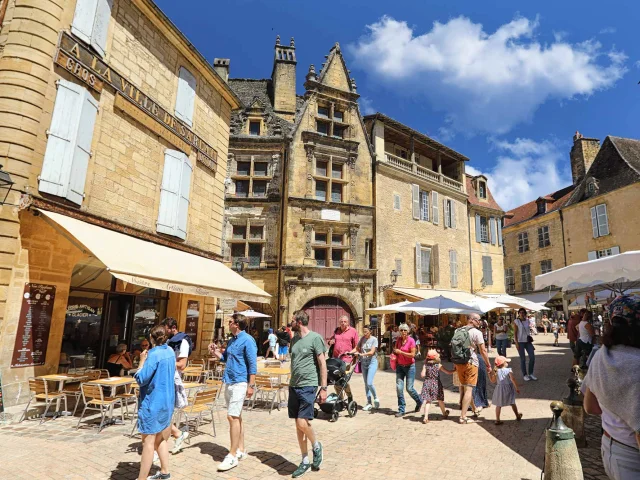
<point>402,360</point>
<point>345,341</point>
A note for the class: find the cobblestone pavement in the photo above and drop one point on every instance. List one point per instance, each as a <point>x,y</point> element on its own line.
<point>370,445</point>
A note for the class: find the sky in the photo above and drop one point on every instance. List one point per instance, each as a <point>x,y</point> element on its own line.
<point>506,83</point>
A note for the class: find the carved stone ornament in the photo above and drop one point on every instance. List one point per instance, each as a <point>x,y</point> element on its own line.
<point>310,149</point>
<point>308,251</point>
<point>353,233</point>
<point>351,161</point>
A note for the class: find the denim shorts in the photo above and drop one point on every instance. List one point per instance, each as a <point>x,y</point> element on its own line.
<point>301,400</point>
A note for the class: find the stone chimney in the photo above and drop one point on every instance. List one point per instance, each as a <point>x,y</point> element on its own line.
<point>283,79</point>
<point>221,66</point>
<point>582,155</point>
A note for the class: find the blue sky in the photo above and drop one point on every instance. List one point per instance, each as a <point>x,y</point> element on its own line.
<point>506,83</point>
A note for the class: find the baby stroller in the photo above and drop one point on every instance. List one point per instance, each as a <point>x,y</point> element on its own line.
<point>338,374</point>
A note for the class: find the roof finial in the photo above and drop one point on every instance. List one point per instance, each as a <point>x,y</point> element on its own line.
<point>293,43</point>
<point>353,85</point>
<point>277,39</point>
<point>311,76</point>
<point>577,136</point>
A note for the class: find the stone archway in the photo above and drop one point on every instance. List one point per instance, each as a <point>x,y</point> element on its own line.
<point>324,313</point>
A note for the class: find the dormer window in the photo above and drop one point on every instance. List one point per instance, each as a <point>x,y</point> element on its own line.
<point>592,187</point>
<point>542,207</point>
<point>482,190</point>
<point>254,128</point>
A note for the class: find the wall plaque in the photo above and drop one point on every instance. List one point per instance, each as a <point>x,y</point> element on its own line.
<point>327,214</point>
<point>32,335</point>
<point>193,318</point>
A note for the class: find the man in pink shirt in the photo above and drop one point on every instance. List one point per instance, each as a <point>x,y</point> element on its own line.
<point>344,340</point>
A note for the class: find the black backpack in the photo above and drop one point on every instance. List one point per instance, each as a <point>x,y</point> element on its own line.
<point>461,346</point>
<point>175,341</point>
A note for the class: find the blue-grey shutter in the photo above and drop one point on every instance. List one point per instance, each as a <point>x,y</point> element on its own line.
<point>82,149</point>
<point>603,220</point>
<point>453,213</point>
<point>91,23</point>
<point>478,235</point>
<point>499,221</point>
<point>592,255</point>
<point>183,206</point>
<point>453,267</point>
<point>492,224</point>
<point>415,198</point>
<point>418,264</point>
<point>434,203</point>
<point>489,271</point>
<point>101,26</point>
<point>186,97</point>
<point>594,222</point>
<point>615,250</point>
<point>447,213</point>
<point>170,192</point>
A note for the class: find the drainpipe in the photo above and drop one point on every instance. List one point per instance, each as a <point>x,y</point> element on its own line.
<point>283,193</point>
<point>470,252</point>
<point>564,245</point>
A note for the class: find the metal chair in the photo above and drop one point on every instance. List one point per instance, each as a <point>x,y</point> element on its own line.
<point>94,399</point>
<point>269,387</point>
<point>193,373</point>
<point>203,402</point>
<point>97,374</point>
<point>39,391</point>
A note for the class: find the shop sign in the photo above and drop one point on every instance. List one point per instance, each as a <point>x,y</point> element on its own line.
<point>193,318</point>
<point>32,335</point>
<point>228,304</point>
<point>81,62</point>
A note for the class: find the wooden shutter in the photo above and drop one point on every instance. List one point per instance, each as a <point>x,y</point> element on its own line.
<point>493,230</point>
<point>447,213</point>
<point>183,205</point>
<point>101,26</point>
<point>594,222</point>
<point>170,192</point>
<point>615,250</point>
<point>603,220</point>
<point>434,264</point>
<point>415,198</point>
<point>478,234</point>
<point>69,143</point>
<point>453,213</point>
<point>83,19</point>
<point>489,271</point>
<point>499,222</point>
<point>418,264</point>
<point>186,97</point>
<point>592,255</point>
<point>453,267</point>
<point>434,203</point>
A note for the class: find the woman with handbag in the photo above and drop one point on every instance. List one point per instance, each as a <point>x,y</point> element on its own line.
<point>405,351</point>
<point>368,360</point>
<point>524,344</point>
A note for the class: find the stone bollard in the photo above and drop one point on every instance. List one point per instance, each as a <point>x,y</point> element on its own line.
<point>561,460</point>
<point>573,413</point>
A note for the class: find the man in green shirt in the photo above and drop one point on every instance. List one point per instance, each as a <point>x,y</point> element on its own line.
<point>308,370</point>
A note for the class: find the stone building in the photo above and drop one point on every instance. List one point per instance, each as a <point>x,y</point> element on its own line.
<point>115,133</point>
<point>299,201</point>
<point>583,221</point>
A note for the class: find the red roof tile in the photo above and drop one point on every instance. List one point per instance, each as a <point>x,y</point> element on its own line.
<point>474,200</point>
<point>555,201</point>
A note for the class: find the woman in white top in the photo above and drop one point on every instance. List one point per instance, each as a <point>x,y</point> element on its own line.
<point>612,389</point>
<point>524,346</point>
<point>502,338</point>
<point>585,339</point>
<point>366,349</point>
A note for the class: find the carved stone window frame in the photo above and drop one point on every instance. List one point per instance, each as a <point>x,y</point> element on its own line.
<point>248,223</point>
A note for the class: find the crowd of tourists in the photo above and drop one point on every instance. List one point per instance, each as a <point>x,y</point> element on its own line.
<point>606,389</point>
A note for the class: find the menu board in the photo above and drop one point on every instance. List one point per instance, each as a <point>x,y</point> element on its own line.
<point>32,335</point>
<point>193,317</point>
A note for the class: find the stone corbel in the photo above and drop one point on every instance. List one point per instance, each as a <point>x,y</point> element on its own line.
<point>351,161</point>
<point>310,150</point>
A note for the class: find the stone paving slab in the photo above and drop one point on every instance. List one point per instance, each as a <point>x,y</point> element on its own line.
<point>370,445</point>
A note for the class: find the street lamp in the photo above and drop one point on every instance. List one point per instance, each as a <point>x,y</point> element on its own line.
<point>393,276</point>
<point>5,184</point>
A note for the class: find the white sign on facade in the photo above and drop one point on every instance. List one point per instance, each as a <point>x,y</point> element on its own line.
<point>327,214</point>
<point>228,304</point>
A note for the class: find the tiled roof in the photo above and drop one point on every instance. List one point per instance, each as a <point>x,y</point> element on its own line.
<point>555,201</point>
<point>473,197</point>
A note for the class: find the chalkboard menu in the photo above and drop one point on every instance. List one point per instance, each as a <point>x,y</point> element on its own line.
<point>193,317</point>
<point>32,335</point>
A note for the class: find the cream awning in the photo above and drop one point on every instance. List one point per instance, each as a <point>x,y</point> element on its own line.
<point>154,266</point>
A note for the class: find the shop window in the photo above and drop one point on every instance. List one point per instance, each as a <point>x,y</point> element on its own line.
<point>254,127</point>
<point>82,328</point>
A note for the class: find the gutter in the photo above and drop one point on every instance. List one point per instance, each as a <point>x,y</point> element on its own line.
<point>564,245</point>
<point>470,252</point>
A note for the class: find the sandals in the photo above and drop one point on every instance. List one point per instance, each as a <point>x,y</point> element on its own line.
<point>446,413</point>
<point>519,417</point>
<point>498,422</point>
<point>425,420</point>
<point>466,420</point>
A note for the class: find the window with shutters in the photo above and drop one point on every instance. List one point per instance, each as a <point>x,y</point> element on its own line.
<point>396,201</point>
<point>186,96</point>
<point>453,268</point>
<point>599,220</point>
<point>449,213</point>
<point>545,266</point>
<point>91,23</point>
<point>398,268</point>
<point>607,252</point>
<point>329,178</point>
<point>487,270</point>
<point>525,277</point>
<point>523,242</point>
<point>423,264</point>
<point>174,194</point>
<point>247,241</point>
<point>484,229</point>
<point>509,280</point>
<point>424,205</point>
<point>543,237</point>
<point>435,211</point>
<point>66,158</point>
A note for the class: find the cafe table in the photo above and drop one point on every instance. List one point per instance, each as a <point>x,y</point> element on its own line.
<point>61,379</point>
<point>114,383</point>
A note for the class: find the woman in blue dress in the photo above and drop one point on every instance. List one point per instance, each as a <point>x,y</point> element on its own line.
<point>157,399</point>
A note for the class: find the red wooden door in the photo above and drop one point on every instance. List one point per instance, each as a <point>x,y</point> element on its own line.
<point>324,314</point>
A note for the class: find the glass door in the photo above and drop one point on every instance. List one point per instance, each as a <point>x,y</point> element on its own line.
<point>117,325</point>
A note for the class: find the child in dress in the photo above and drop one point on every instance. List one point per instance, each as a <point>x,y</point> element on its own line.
<point>554,330</point>
<point>506,388</point>
<point>432,387</point>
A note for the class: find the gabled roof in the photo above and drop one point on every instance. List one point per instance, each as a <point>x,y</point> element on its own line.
<point>530,210</point>
<point>335,54</point>
<point>490,202</point>
<point>616,165</point>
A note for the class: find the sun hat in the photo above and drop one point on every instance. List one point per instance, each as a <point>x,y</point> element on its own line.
<point>500,360</point>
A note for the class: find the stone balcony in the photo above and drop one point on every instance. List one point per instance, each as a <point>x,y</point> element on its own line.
<point>421,172</point>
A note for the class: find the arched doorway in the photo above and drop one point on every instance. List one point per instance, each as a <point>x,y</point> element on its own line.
<point>324,313</point>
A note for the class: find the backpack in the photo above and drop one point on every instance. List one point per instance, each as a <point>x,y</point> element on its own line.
<point>461,346</point>
<point>175,341</point>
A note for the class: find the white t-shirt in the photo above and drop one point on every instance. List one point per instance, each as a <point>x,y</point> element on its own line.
<point>476,338</point>
<point>272,339</point>
<point>184,350</point>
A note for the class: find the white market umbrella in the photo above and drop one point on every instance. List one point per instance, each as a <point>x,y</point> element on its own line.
<point>254,314</point>
<point>485,304</point>
<point>384,309</point>
<point>441,304</point>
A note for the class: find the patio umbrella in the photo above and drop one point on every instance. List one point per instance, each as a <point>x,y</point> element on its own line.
<point>391,308</point>
<point>485,304</point>
<point>254,314</point>
<point>442,305</point>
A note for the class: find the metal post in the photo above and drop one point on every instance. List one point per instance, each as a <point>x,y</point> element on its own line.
<point>561,460</point>
<point>573,414</point>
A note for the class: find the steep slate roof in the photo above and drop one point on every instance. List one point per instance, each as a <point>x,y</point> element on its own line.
<point>490,202</point>
<point>616,165</point>
<point>249,91</point>
<point>530,210</point>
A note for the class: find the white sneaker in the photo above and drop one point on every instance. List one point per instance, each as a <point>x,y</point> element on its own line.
<point>367,407</point>
<point>376,403</point>
<point>532,377</point>
<point>527,378</point>
<point>228,463</point>
<point>241,455</point>
<point>177,446</point>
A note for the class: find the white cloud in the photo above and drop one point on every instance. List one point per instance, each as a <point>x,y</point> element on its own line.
<point>366,106</point>
<point>606,30</point>
<point>483,82</point>
<point>525,170</point>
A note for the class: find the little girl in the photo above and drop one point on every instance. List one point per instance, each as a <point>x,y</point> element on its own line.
<point>506,388</point>
<point>554,329</point>
<point>432,387</point>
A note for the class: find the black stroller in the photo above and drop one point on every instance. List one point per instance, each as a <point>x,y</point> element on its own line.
<point>338,374</point>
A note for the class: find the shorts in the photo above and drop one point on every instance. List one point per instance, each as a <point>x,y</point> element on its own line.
<point>555,334</point>
<point>283,350</point>
<point>301,400</point>
<point>234,394</point>
<point>467,374</point>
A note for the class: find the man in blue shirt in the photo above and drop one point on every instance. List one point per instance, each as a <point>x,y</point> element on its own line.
<point>239,381</point>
